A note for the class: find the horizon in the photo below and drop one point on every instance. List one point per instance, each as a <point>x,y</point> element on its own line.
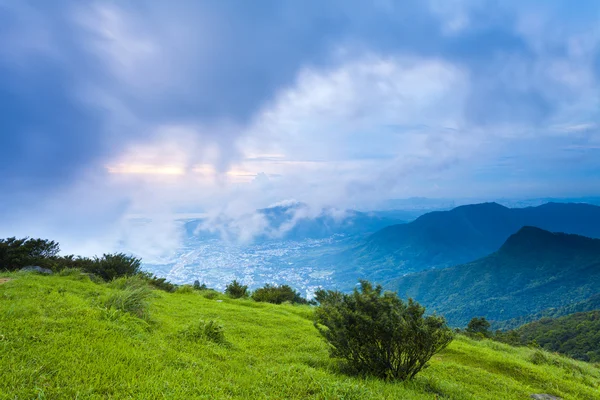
<point>113,109</point>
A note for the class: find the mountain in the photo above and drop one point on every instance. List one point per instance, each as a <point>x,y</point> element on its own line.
<point>534,270</point>
<point>577,335</point>
<point>296,221</point>
<point>591,304</point>
<point>444,238</point>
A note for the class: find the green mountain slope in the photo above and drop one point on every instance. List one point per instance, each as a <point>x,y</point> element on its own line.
<point>591,304</point>
<point>534,270</point>
<point>58,342</point>
<point>577,335</point>
<point>445,238</point>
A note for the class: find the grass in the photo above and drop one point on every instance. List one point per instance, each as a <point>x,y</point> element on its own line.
<point>61,338</point>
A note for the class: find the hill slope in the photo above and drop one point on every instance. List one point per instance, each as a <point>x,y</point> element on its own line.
<point>445,238</point>
<point>56,342</point>
<point>577,335</point>
<point>534,270</point>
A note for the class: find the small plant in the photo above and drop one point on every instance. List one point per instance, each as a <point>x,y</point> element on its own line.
<point>236,290</point>
<point>70,272</point>
<point>378,334</point>
<point>133,300</point>
<point>210,294</point>
<point>205,330</point>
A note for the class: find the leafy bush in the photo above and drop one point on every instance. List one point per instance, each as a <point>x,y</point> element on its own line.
<point>277,294</point>
<point>111,266</point>
<point>18,253</point>
<point>378,334</point>
<point>210,294</point>
<point>236,290</point>
<point>185,289</point>
<point>479,327</point>
<point>133,300</point>
<point>158,283</point>
<point>205,330</point>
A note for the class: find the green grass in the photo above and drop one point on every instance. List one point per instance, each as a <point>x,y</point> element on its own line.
<point>58,339</point>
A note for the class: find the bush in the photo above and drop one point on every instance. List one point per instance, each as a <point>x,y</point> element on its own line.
<point>236,290</point>
<point>112,266</point>
<point>210,294</point>
<point>156,282</point>
<point>205,330</point>
<point>378,334</point>
<point>18,253</point>
<point>185,289</point>
<point>277,295</point>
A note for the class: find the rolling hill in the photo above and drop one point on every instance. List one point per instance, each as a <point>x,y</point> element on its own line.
<point>57,342</point>
<point>445,238</point>
<point>534,270</point>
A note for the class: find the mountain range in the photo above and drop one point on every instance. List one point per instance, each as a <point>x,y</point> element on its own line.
<point>534,270</point>
<point>442,239</point>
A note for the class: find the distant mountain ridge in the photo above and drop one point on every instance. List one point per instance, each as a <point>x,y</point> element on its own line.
<point>297,221</point>
<point>445,238</point>
<point>533,270</point>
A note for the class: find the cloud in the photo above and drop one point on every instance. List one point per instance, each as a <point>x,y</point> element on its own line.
<point>113,109</point>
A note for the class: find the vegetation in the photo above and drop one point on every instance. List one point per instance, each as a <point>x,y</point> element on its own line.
<point>236,290</point>
<point>479,326</point>
<point>19,253</point>
<point>277,295</point>
<point>57,341</point>
<point>533,271</point>
<point>446,238</point>
<point>577,335</point>
<point>378,334</point>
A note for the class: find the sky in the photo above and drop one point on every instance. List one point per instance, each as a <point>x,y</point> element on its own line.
<point>114,109</point>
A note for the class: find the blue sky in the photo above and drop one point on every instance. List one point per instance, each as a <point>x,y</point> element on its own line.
<point>118,108</point>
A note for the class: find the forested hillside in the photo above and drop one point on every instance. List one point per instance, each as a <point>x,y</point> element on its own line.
<point>533,271</point>
<point>446,238</point>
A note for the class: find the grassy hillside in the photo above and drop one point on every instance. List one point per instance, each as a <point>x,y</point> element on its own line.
<point>533,271</point>
<point>58,341</point>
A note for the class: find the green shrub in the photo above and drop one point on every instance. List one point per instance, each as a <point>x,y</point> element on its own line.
<point>18,253</point>
<point>378,334</point>
<point>128,282</point>
<point>70,272</point>
<point>205,330</point>
<point>111,266</point>
<point>210,294</point>
<point>277,294</point>
<point>156,282</point>
<point>236,290</point>
<point>132,300</point>
<point>185,289</point>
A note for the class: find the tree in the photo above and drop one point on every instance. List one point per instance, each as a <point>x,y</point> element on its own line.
<point>479,326</point>
<point>378,334</point>
<point>236,290</point>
